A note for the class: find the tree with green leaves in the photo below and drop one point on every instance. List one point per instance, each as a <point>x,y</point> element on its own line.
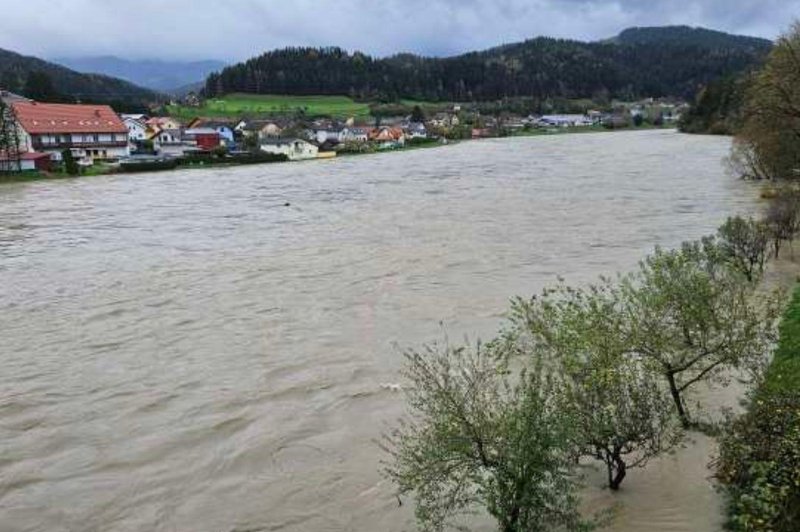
<point>782,218</point>
<point>743,243</point>
<point>417,114</point>
<point>480,436</point>
<point>692,318</point>
<point>768,144</point>
<point>623,414</point>
<point>70,165</point>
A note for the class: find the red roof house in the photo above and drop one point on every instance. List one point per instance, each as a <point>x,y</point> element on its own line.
<point>90,131</point>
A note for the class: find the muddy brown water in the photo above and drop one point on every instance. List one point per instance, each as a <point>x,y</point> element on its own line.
<point>182,351</point>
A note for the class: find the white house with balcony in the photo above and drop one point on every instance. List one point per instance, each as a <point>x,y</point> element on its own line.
<point>90,132</point>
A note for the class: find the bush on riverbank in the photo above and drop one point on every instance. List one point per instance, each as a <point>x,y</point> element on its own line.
<point>759,458</point>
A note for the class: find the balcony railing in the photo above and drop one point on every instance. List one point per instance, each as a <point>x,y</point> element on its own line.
<point>63,145</point>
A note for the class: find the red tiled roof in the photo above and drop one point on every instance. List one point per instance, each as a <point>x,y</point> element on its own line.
<point>38,118</point>
<point>160,120</point>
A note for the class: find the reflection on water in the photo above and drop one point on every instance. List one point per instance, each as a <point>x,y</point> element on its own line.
<point>181,351</point>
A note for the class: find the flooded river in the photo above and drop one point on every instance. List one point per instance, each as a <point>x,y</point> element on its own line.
<point>184,351</point>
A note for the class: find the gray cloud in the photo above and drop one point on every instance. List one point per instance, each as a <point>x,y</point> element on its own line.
<point>237,29</point>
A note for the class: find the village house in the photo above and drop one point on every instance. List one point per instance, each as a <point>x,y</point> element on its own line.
<point>444,120</point>
<point>572,120</point>
<point>202,139</point>
<point>224,128</point>
<point>90,132</point>
<point>331,133</point>
<point>357,134</point>
<point>169,142</point>
<point>261,129</point>
<point>415,130</point>
<point>596,116</point>
<point>514,123</point>
<point>192,100</point>
<point>158,123</point>
<point>294,149</point>
<point>137,129</point>
<point>388,137</point>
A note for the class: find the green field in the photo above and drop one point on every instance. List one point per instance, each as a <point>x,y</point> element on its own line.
<point>236,105</point>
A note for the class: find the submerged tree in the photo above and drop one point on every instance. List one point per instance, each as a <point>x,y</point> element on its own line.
<point>622,412</point>
<point>692,317</point>
<point>782,218</point>
<point>624,416</point>
<point>743,243</point>
<point>479,437</point>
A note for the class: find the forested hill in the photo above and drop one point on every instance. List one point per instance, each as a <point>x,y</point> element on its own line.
<point>666,61</point>
<point>49,82</point>
<point>688,36</point>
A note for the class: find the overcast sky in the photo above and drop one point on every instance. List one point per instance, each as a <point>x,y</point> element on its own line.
<point>238,29</point>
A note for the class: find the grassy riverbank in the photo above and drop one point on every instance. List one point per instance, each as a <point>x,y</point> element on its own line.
<point>760,456</point>
<point>759,460</point>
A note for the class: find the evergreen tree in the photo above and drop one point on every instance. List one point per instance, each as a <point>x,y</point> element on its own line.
<point>70,165</point>
<point>39,87</point>
<point>417,114</point>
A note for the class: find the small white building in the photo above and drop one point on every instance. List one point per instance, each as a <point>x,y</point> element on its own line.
<point>445,120</point>
<point>294,149</point>
<point>566,120</point>
<point>332,134</point>
<point>137,130</point>
<point>260,129</point>
<point>169,142</point>
<point>416,130</point>
<point>356,134</point>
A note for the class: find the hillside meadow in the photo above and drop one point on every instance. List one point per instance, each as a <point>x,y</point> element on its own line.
<point>271,104</point>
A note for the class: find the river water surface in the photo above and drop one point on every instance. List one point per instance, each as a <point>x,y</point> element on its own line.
<point>181,351</point>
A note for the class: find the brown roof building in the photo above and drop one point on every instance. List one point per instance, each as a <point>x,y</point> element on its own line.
<point>90,131</point>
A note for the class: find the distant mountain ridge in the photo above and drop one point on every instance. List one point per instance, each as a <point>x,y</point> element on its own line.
<point>16,71</point>
<point>160,75</point>
<point>689,36</point>
<point>660,61</point>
